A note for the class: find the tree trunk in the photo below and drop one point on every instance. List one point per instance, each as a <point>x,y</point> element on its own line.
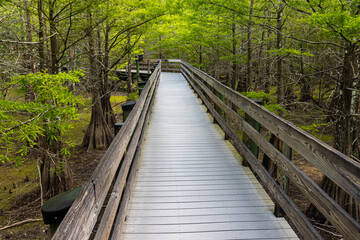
<point>200,57</point>
<point>53,38</point>
<point>98,134</point>
<point>41,36</point>
<point>29,53</point>
<point>55,173</point>
<point>249,48</point>
<point>160,50</point>
<point>234,64</point>
<point>129,75</point>
<point>280,77</point>
<point>306,92</point>
<point>105,100</point>
<point>259,66</point>
<point>268,63</point>
<point>344,105</point>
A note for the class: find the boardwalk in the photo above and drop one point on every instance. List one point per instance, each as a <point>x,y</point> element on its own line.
<point>190,184</point>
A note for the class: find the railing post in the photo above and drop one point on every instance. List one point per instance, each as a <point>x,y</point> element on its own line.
<point>248,142</point>
<point>281,177</point>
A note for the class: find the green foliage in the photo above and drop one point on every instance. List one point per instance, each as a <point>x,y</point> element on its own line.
<point>289,51</point>
<point>257,95</point>
<point>265,98</point>
<point>52,107</point>
<point>59,168</point>
<point>313,128</point>
<point>133,96</point>
<point>275,108</point>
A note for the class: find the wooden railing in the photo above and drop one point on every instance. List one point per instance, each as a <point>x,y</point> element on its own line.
<point>342,170</point>
<point>99,210</point>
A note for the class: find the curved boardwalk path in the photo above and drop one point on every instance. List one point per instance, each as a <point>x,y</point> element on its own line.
<point>190,184</point>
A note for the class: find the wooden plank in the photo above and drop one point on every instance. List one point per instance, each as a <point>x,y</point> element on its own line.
<point>202,219</point>
<point>197,212</point>
<point>246,191</point>
<point>246,234</point>
<point>255,202</point>
<point>330,209</point>
<point>295,215</point>
<point>206,227</point>
<point>199,198</point>
<point>341,169</point>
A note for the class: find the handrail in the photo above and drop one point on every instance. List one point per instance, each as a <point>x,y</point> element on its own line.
<point>344,171</point>
<point>121,157</point>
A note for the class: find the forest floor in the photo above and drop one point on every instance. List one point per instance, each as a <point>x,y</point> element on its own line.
<point>19,185</point>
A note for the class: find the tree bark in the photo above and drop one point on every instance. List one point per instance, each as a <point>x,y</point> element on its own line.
<point>98,134</point>
<point>53,38</point>
<point>129,75</point>
<point>259,82</point>
<point>268,63</point>
<point>280,77</point>
<point>41,36</point>
<point>105,100</point>
<point>306,91</point>
<point>249,48</point>
<point>29,55</point>
<point>234,64</point>
<point>55,173</point>
<point>200,56</point>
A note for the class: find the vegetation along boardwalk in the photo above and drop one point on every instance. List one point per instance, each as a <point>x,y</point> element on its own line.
<point>190,184</point>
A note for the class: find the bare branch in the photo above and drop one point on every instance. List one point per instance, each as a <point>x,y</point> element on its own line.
<point>240,13</point>
<point>131,27</point>
<point>303,40</point>
<point>29,121</point>
<point>296,9</point>
<point>27,43</point>
<point>20,223</point>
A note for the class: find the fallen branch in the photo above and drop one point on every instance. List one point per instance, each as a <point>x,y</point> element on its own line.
<point>20,223</point>
<point>329,232</point>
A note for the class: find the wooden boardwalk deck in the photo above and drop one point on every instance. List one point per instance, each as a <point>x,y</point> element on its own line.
<point>190,184</point>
